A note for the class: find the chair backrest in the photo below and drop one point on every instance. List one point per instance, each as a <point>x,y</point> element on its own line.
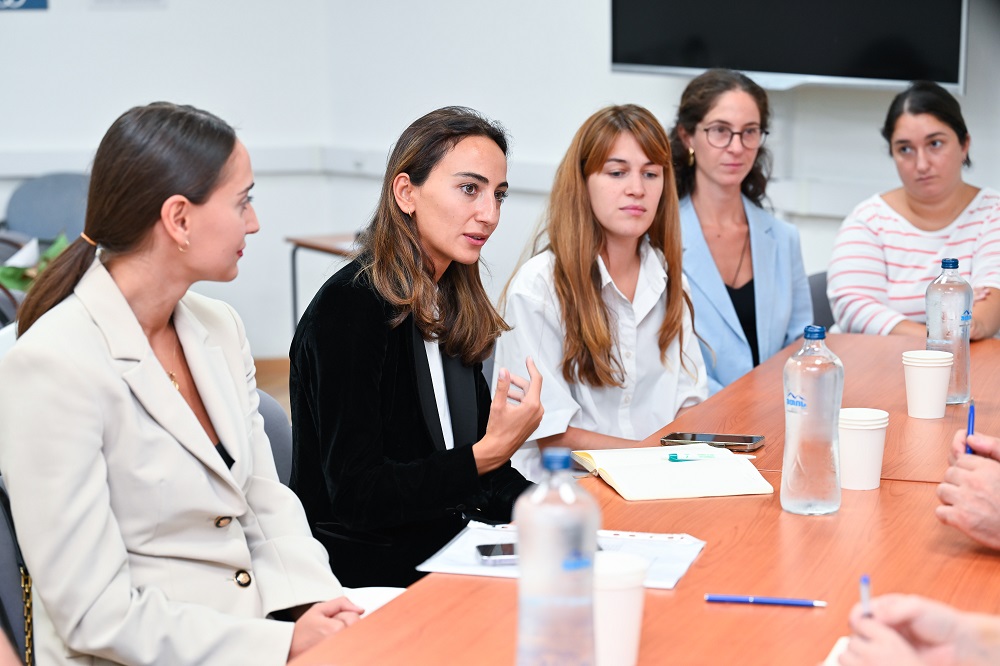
<point>11,601</point>
<point>46,206</point>
<point>10,300</point>
<point>279,431</point>
<point>822,314</point>
<point>8,335</point>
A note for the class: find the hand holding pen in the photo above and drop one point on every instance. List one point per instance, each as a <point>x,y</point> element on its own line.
<point>970,489</point>
<point>908,629</point>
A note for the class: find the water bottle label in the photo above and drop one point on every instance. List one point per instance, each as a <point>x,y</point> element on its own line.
<point>794,403</point>
<point>576,561</point>
<point>966,316</point>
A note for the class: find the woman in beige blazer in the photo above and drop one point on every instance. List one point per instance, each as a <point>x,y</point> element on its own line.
<point>142,485</point>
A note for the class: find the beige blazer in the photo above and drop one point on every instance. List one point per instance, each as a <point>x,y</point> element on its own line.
<point>143,546</point>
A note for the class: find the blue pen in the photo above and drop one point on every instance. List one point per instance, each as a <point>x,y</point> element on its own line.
<point>866,596</point>
<point>767,601</point>
<point>972,424</point>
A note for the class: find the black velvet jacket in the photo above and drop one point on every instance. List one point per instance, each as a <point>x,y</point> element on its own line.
<point>380,490</point>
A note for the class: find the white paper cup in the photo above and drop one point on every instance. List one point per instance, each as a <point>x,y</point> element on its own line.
<point>862,442</point>
<point>618,601</point>
<point>927,374</point>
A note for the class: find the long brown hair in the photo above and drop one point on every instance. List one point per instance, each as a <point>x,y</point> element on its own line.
<point>149,154</point>
<point>456,311</point>
<point>573,234</point>
<point>696,101</point>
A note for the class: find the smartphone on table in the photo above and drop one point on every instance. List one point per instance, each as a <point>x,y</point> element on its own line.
<point>740,443</point>
<point>497,554</point>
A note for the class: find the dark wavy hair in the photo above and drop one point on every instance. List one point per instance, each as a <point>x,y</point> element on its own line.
<point>149,154</point>
<point>697,100</point>
<point>927,97</point>
<point>456,311</point>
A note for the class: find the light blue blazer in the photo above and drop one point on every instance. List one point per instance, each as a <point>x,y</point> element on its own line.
<point>781,293</point>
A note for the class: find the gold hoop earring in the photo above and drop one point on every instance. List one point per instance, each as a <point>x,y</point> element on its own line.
<point>185,248</point>
<point>690,156</point>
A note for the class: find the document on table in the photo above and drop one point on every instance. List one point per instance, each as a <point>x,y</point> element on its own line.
<point>669,555</point>
<point>675,472</point>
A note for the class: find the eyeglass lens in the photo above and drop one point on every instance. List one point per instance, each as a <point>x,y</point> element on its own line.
<point>721,136</point>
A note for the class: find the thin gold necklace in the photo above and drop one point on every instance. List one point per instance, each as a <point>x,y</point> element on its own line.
<point>173,375</point>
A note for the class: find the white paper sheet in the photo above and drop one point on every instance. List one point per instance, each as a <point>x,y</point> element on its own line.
<point>669,555</point>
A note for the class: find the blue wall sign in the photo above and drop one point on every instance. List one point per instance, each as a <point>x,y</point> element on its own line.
<point>23,4</point>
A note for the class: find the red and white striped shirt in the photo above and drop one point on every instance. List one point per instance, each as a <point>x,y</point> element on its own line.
<point>882,264</point>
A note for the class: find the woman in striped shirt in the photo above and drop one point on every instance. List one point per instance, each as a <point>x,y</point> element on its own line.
<point>890,247</point>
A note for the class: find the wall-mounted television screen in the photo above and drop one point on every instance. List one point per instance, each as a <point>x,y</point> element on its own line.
<point>786,43</point>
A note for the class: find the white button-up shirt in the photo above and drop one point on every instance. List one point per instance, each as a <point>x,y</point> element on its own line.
<point>652,393</point>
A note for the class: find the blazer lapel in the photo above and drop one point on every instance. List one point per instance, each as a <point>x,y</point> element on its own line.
<point>142,371</point>
<point>764,253</point>
<point>425,387</point>
<point>213,377</point>
<point>461,387</point>
<point>702,274</point>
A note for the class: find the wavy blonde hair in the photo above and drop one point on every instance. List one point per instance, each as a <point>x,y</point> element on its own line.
<point>573,234</point>
<point>456,311</point>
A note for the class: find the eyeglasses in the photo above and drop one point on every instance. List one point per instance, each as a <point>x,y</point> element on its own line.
<point>721,136</point>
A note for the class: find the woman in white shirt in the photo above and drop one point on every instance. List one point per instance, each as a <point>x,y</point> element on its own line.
<point>602,307</point>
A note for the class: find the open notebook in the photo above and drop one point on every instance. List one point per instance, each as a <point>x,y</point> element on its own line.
<point>675,472</point>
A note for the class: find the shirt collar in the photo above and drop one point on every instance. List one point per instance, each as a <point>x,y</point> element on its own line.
<point>652,267</point>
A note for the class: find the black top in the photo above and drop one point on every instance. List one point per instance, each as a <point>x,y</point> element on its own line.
<point>226,458</point>
<point>746,311</point>
<point>369,463</point>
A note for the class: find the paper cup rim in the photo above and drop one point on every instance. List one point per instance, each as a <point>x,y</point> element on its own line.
<point>927,358</point>
<point>864,414</point>
<point>615,569</point>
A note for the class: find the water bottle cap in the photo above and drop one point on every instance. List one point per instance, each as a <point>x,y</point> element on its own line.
<point>555,458</point>
<point>815,332</point>
<point>949,263</point>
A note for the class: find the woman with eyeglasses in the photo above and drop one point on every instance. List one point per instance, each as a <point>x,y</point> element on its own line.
<point>748,284</point>
<point>602,306</point>
<point>891,246</point>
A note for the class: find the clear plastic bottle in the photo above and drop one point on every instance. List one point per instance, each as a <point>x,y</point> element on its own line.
<point>557,524</point>
<point>949,316</point>
<point>814,386</point>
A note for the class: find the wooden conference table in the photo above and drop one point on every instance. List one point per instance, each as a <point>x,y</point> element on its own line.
<point>752,546</point>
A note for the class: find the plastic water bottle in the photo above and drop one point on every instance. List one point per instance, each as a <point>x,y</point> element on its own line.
<point>949,317</point>
<point>814,385</point>
<point>557,524</point>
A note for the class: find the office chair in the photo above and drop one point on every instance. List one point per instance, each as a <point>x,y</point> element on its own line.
<point>9,302</point>
<point>8,335</point>
<point>822,314</point>
<point>12,615</point>
<point>279,431</point>
<point>46,206</point>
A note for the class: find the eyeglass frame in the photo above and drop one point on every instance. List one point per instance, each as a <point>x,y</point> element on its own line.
<point>732,133</point>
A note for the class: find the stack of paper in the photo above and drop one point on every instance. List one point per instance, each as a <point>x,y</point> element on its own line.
<point>675,472</point>
<point>669,555</point>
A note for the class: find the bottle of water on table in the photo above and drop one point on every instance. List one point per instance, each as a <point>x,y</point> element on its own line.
<point>557,524</point>
<point>810,469</point>
<point>949,316</point>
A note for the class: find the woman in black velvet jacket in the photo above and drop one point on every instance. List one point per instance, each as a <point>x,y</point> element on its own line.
<point>397,443</point>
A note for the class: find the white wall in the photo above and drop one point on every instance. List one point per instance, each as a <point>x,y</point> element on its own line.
<point>319,91</point>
